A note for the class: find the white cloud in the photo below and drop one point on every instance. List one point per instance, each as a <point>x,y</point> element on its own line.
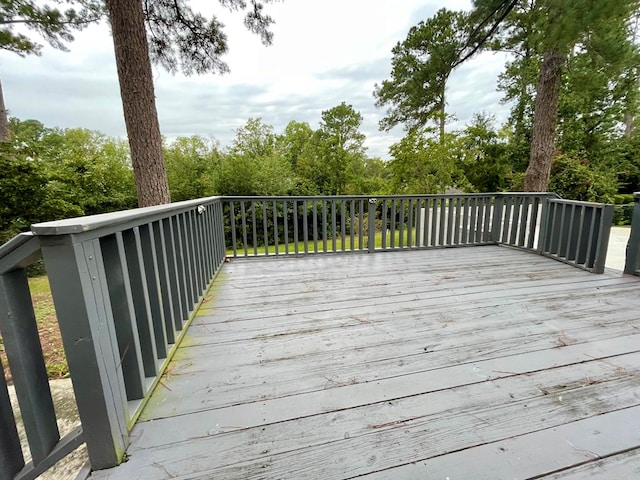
<point>324,52</point>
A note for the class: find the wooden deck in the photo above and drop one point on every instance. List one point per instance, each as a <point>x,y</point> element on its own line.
<point>470,363</point>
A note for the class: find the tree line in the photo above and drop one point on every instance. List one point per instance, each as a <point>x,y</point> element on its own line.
<point>50,173</point>
<point>572,80</point>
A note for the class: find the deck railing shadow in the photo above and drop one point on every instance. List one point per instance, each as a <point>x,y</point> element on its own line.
<point>125,286</point>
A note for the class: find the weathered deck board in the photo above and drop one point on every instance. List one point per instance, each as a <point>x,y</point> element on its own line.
<point>463,363</point>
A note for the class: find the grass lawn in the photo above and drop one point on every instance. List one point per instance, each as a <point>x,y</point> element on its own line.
<point>54,356</point>
<point>311,247</point>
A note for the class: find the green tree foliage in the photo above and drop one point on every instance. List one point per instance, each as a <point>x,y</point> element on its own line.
<point>191,167</point>
<point>546,35</point>
<point>48,174</point>
<point>179,39</point>
<point>341,147</point>
<point>571,177</point>
<point>423,164</point>
<point>487,166</point>
<point>420,68</point>
<point>253,165</point>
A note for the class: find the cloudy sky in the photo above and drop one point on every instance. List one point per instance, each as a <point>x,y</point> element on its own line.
<point>324,52</point>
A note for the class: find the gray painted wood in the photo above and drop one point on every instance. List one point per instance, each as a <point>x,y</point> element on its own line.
<point>379,364</point>
<point>22,345</point>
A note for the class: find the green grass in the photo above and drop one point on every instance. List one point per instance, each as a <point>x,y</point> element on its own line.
<point>311,247</point>
<point>50,339</point>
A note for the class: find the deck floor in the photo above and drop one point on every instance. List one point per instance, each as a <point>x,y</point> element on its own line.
<point>470,363</point>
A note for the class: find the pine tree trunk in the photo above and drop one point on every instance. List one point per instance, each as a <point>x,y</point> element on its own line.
<point>4,120</point>
<point>138,101</point>
<point>544,122</point>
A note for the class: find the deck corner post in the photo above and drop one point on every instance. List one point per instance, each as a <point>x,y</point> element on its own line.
<point>544,223</point>
<point>603,238</point>
<point>632,263</point>
<point>371,238</point>
<point>496,223</point>
<point>81,300</point>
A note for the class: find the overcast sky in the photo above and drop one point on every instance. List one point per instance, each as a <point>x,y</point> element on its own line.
<point>324,52</point>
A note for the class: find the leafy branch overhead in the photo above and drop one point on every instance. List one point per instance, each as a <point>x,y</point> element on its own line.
<point>181,39</point>
<point>52,23</point>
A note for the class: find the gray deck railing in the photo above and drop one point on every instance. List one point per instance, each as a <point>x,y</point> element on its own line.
<point>293,225</point>
<point>577,232</point>
<point>22,347</point>
<point>632,264</point>
<point>124,286</point>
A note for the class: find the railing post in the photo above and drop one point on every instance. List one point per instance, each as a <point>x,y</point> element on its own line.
<point>80,294</point>
<point>496,224</point>
<point>544,224</point>
<point>632,263</point>
<point>371,239</point>
<point>606,220</point>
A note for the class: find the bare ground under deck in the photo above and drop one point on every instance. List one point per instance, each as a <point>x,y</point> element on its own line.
<point>469,363</point>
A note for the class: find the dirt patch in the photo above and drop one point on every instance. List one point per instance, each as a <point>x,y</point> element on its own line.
<point>50,339</point>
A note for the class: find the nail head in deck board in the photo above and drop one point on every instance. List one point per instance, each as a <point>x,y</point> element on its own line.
<point>281,444</point>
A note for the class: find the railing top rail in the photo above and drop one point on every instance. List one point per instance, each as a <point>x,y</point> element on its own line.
<point>382,197</point>
<point>578,202</point>
<point>95,222</point>
<point>15,243</point>
<point>19,252</point>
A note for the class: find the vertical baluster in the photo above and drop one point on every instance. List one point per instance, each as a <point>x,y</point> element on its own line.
<point>324,225</point>
<point>166,287</point>
<point>410,223</point>
<point>393,223</point>
<point>361,245</point>
<point>285,210</point>
<point>343,223</point>
<point>178,256</point>
<point>275,227</point>
<point>233,228</point>
<point>517,204</point>
<point>243,216</point>
<point>295,226</point>
<point>139,294</point>
<point>401,228</point>
<point>419,221</point>
<point>265,227</point>
<point>305,225</point>
<point>435,221</point>
<point>254,228</point>
<point>456,221</point>
<point>11,458</point>
<point>570,232</point>
<point>593,217</point>
<point>450,210</point>
<point>486,228</point>
<point>154,295</point>
<point>352,221</point>
<point>384,224</point>
<point>125,322</point>
<point>464,234</point>
<point>427,221</point>
<point>24,351</point>
<point>334,225</point>
<point>443,217</point>
<point>507,219</point>
<point>524,222</point>
<point>314,220</point>
<point>187,256</point>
